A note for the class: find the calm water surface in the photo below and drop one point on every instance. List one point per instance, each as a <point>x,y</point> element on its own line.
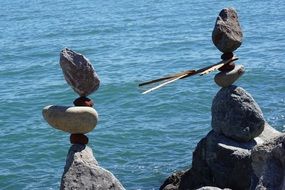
<point>140,138</point>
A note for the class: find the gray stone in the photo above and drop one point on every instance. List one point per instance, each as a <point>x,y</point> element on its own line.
<point>236,115</point>
<point>74,119</point>
<point>227,34</point>
<point>83,172</point>
<point>225,79</point>
<point>78,72</point>
<point>221,162</point>
<point>268,163</point>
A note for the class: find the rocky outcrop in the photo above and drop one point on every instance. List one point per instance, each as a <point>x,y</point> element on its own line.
<point>83,172</point>
<point>223,161</point>
<point>268,163</point>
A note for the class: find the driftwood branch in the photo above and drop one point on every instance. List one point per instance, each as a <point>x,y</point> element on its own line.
<point>172,78</point>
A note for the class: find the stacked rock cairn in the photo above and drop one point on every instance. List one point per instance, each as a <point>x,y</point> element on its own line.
<point>81,169</point>
<point>227,37</point>
<point>81,118</point>
<point>242,151</point>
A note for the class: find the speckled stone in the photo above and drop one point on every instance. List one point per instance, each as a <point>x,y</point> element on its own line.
<point>78,72</point>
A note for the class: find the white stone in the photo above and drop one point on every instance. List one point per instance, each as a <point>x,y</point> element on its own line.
<point>74,120</point>
<point>225,79</point>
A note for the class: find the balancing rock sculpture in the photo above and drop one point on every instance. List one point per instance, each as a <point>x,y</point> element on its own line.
<point>81,170</point>
<point>242,151</point>
<point>227,37</point>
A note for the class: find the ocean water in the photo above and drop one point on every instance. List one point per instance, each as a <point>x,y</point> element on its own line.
<point>142,139</point>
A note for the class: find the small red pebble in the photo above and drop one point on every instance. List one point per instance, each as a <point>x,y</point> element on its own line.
<point>227,67</point>
<point>227,56</point>
<point>78,139</point>
<point>83,101</point>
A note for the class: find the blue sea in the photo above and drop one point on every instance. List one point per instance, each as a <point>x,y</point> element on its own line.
<point>141,139</point>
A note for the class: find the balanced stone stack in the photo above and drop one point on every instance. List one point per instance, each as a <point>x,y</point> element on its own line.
<point>227,37</point>
<point>81,169</point>
<point>242,151</point>
<point>81,118</point>
<point>224,157</point>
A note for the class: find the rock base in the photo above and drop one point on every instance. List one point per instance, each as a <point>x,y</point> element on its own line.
<point>83,172</point>
<point>219,161</point>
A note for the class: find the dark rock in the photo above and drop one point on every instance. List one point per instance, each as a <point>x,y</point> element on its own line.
<point>78,72</point>
<point>268,163</point>
<point>83,172</point>
<point>236,115</point>
<point>227,56</point>
<point>219,161</point>
<point>227,67</point>
<point>83,101</point>
<point>78,139</point>
<point>172,182</point>
<point>227,34</point>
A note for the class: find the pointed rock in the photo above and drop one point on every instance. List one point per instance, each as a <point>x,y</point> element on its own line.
<point>78,72</point>
<point>227,34</point>
<point>83,172</point>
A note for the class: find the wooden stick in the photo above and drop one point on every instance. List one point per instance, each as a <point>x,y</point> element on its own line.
<point>165,83</point>
<point>177,76</point>
<point>167,77</point>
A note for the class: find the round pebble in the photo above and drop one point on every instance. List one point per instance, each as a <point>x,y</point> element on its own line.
<point>83,101</point>
<point>227,67</point>
<point>78,139</point>
<point>227,56</point>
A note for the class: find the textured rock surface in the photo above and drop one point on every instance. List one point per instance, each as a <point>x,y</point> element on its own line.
<point>78,72</point>
<point>227,34</point>
<point>220,162</point>
<point>82,172</point>
<point>236,115</point>
<point>268,163</point>
<point>225,79</point>
<point>77,120</point>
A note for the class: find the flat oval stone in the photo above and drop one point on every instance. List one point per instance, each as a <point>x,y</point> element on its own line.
<point>78,72</point>
<point>74,120</point>
<point>225,79</point>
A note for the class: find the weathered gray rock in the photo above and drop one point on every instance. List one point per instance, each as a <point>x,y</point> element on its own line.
<point>74,119</point>
<point>83,172</point>
<point>227,34</point>
<point>236,115</point>
<point>221,162</point>
<point>78,72</point>
<point>225,79</point>
<point>268,163</point>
